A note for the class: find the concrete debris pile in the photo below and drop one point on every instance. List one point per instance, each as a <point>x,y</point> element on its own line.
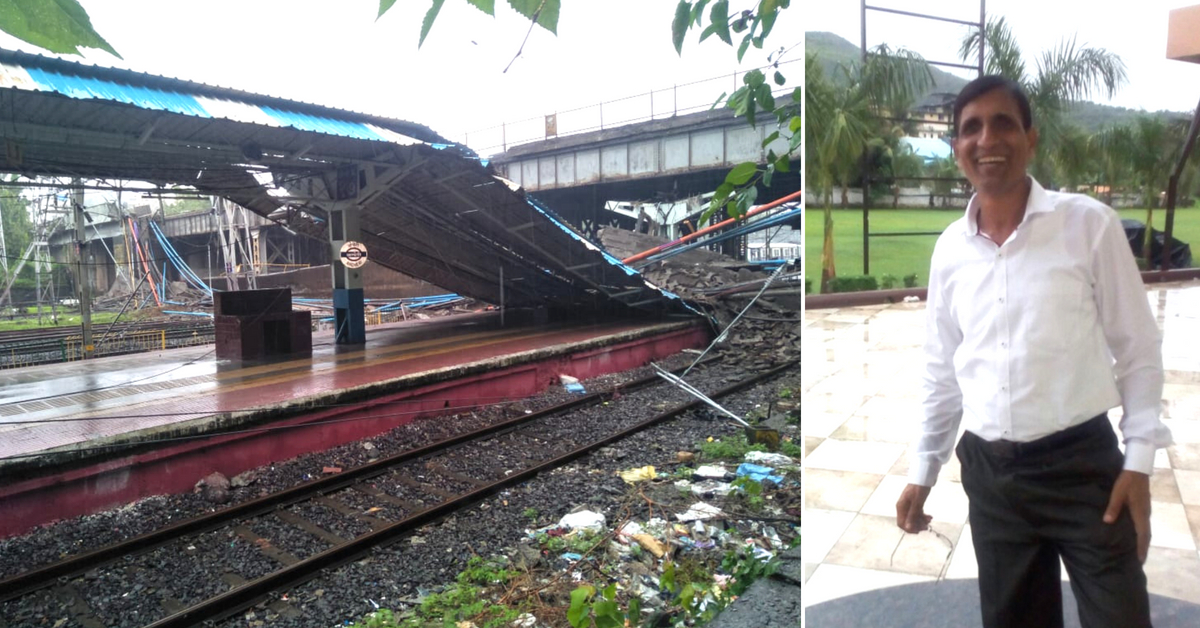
<point>175,295</point>
<point>768,333</point>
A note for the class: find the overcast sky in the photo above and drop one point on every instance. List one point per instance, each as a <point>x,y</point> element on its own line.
<point>1137,31</point>
<point>334,52</point>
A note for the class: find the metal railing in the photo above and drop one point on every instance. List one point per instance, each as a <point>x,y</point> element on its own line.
<point>656,104</point>
<point>70,348</point>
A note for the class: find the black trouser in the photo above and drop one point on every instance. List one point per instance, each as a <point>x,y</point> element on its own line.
<point>1031,503</point>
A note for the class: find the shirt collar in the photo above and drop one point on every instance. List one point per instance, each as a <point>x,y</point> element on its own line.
<point>1038,202</point>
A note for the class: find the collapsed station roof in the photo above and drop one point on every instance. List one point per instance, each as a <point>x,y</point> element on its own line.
<point>430,209</point>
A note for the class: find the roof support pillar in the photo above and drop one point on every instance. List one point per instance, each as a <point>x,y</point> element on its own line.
<point>349,315</point>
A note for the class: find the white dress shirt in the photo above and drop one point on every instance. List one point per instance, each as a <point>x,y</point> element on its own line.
<point>1039,334</point>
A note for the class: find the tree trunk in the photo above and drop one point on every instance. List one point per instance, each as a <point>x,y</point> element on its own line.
<point>828,271</point>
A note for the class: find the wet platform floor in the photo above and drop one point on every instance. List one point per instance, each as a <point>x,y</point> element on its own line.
<point>861,412</point>
<point>79,404</point>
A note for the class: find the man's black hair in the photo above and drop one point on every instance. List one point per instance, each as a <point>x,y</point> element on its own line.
<point>987,83</point>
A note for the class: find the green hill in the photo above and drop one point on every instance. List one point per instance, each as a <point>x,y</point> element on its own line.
<point>832,50</point>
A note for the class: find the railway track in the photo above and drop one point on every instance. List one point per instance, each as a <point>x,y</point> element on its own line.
<point>30,347</point>
<point>380,502</point>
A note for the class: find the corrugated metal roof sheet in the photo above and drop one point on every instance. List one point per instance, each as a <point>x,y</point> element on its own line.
<point>38,73</point>
<point>86,87</point>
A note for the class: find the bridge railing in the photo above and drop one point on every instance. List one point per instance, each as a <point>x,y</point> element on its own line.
<point>656,104</point>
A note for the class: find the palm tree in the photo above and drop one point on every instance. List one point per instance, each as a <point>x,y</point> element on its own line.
<point>1108,146</point>
<point>893,161</point>
<point>1074,157</point>
<point>834,133</point>
<point>1064,76</point>
<point>1148,150</point>
<point>946,176</point>
<point>840,119</point>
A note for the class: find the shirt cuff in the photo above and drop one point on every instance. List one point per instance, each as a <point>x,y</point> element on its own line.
<point>924,471</point>
<point>1139,456</point>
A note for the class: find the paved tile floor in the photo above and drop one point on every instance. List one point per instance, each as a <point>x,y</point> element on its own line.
<point>861,408</point>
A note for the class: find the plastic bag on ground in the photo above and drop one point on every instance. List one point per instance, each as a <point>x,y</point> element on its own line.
<point>631,528</point>
<point>778,461</point>
<point>571,384</point>
<point>651,544</point>
<point>699,512</point>
<point>583,520</point>
<point>758,473</point>
<point>711,487</point>
<point>633,476</point>
<point>711,472</point>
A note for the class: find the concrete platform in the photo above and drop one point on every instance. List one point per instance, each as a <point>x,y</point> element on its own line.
<point>861,412</point>
<point>83,436</point>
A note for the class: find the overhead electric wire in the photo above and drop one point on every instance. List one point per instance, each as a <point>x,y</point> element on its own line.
<point>132,294</point>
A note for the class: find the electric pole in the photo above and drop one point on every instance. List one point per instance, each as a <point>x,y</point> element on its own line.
<point>82,276</point>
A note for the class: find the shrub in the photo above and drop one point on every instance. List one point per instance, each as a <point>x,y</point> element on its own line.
<point>853,283</point>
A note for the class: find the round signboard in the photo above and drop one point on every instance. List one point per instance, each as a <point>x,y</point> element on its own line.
<point>354,254</point>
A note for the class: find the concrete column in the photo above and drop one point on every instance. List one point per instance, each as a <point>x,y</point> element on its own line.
<point>349,316</point>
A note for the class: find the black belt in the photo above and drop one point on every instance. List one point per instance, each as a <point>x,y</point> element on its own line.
<point>1008,449</point>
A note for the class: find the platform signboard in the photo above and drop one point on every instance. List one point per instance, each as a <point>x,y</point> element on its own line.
<point>354,254</point>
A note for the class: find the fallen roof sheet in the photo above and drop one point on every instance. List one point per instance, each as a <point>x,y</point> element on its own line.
<point>447,219</point>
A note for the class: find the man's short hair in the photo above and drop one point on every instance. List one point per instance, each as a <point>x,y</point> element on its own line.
<point>985,84</point>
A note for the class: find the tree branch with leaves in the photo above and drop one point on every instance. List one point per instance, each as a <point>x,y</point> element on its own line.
<point>739,191</point>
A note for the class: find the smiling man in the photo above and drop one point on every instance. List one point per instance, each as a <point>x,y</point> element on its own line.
<point>1038,325</point>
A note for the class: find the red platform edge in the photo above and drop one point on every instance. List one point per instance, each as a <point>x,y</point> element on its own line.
<point>176,469</point>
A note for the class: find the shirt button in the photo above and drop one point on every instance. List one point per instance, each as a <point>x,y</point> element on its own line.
<point>1004,388</point>
<point>1002,299</point>
<point>1004,345</point>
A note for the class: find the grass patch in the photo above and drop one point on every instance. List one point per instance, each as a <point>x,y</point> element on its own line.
<point>732,447</point>
<point>64,320</point>
<point>462,601</point>
<point>905,255</point>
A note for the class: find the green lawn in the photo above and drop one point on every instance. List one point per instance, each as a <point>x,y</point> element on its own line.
<point>30,321</point>
<point>905,255</point>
